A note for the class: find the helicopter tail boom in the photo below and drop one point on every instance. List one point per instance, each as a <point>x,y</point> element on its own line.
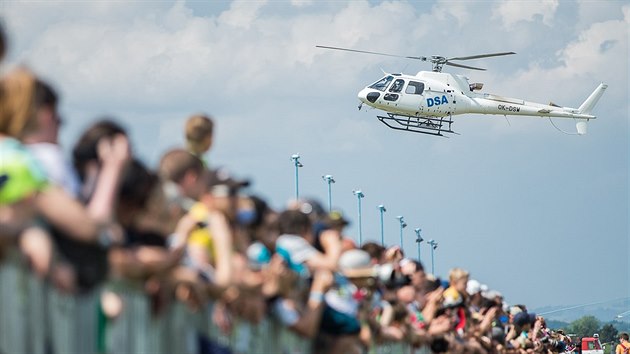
<point>493,104</point>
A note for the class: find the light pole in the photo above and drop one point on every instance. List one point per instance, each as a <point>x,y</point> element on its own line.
<point>433,247</point>
<point>360,196</point>
<point>403,224</point>
<point>296,161</point>
<point>382,209</point>
<point>329,179</point>
<point>419,240</point>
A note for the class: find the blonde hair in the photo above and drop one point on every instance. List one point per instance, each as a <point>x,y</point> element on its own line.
<point>456,274</point>
<point>17,103</point>
<point>198,127</point>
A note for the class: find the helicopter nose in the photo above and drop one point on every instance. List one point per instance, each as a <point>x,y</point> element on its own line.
<point>368,96</point>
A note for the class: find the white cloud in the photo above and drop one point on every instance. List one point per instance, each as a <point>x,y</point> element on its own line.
<point>242,13</point>
<point>602,45</point>
<point>301,3</point>
<point>512,12</point>
<point>461,11</point>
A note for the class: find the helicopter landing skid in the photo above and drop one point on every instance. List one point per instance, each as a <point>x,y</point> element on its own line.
<point>424,125</point>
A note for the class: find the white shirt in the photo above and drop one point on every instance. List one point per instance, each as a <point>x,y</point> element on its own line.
<point>58,169</point>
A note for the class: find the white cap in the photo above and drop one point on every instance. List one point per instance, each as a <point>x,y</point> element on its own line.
<point>473,287</point>
<point>354,259</point>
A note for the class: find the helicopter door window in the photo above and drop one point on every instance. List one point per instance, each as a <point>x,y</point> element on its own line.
<point>390,97</point>
<point>382,84</point>
<point>415,88</point>
<point>397,86</point>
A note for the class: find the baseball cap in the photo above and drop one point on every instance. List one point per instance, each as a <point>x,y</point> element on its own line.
<point>221,183</point>
<point>473,287</point>
<point>257,255</point>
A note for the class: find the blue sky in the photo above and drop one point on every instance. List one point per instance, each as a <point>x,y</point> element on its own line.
<point>526,209</point>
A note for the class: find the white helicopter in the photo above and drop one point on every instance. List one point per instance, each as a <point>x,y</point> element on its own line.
<point>426,102</point>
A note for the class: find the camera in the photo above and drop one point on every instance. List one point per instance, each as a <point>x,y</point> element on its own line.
<point>390,278</point>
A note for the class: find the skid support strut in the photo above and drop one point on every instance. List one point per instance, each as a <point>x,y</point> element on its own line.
<point>424,125</point>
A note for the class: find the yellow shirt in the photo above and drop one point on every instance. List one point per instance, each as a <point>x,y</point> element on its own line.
<point>201,236</point>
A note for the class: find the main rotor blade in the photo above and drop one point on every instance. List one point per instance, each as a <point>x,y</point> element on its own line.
<point>367,52</point>
<point>463,66</point>
<point>481,56</point>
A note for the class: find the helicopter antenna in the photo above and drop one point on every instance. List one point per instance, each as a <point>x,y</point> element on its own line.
<point>438,62</point>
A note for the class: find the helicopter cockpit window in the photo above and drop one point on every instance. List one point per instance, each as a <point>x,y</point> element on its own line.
<point>382,84</point>
<point>397,86</point>
<point>415,88</point>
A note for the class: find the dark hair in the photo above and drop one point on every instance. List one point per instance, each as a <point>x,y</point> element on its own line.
<point>418,265</point>
<point>373,249</point>
<point>431,284</point>
<point>44,95</point>
<point>262,209</point>
<point>623,335</point>
<point>86,148</point>
<point>294,222</point>
<point>136,185</point>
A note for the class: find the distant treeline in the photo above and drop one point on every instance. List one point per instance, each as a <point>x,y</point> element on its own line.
<point>588,325</point>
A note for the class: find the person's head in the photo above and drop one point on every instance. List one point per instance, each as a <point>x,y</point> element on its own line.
<point>357,267</point>
<point>157,215</point>
<point>258,219</point>
<point>623,337</point>
<point>335,220</point>
<point>47,117</point>
<point>294,222</point>
<point>24,99</point>
<point>458,279</point>
<point>524,320</point>
<point>199,131</point>
<point>222,192</point>
<point>414,270</point>
<point>85,151</point>
<point>375,251</point>
<point>137,187</point>
<point>184,169</point>
<point>474,289</point>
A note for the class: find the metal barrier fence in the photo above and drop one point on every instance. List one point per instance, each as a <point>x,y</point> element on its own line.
<point>34,316</point>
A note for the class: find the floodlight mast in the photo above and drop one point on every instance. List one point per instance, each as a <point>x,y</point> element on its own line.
<point>433,247</point>
<point>360,196</point>
<point>329,179</point>
<point>403,224</point>
<point>419,240</point>
<point>382,209</point>
<point>296,162</point>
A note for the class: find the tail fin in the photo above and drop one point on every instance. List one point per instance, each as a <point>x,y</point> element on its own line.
<point>590,102</point>
<point>588,106</point>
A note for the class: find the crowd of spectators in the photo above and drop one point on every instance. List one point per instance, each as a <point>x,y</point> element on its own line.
<point>191,233</point>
